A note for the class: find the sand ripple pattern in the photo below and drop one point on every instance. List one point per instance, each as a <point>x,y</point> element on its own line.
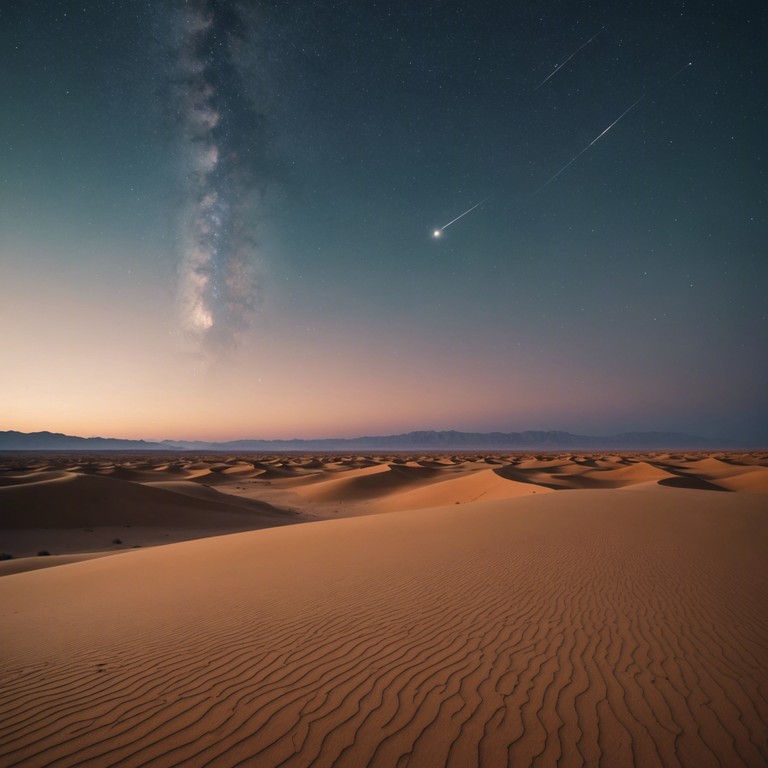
<point>579,629</point>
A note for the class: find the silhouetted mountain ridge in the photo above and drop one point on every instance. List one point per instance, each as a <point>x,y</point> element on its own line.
<point>426,440</point>
<point>53,441</point>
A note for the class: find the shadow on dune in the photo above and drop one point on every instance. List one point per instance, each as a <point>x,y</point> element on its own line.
<point>532,477</point>
<point>687,481</point>
<point>81,501</point>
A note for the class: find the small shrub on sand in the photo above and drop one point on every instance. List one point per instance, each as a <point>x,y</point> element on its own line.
<point>117,541</point>
<point>5,556</point>
<point>43,553</point>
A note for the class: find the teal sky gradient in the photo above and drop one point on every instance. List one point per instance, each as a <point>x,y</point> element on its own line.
<point>629,295</point>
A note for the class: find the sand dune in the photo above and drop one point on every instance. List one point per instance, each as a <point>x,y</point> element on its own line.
<point>753,481</point>
<point>483,485</point>
<point>589,627</point>
<point>69,512</point>
<point>487,619</point>
<point>24,564</point>
<point>330,485</point>
<point>75,501</point>
<point>372,482</point>
<point>186,497</point>
<point>32,477</point>
<point>631,474</point>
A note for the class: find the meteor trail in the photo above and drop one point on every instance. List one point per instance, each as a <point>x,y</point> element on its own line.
<point>594,141</point>
<point>679,72</point>
<point>439,232</point>
<point>600,136</point>
<point>560,66</point>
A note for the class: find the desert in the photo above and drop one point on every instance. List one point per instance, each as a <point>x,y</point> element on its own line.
<point>383,384</point>
<point>384,609</point>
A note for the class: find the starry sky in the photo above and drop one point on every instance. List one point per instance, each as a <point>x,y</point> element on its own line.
<point>217,217</point>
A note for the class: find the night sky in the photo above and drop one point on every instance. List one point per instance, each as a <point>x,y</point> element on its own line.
<point>216,218</point>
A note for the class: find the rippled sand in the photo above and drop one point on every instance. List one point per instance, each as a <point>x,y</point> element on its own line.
<point>468,610</point>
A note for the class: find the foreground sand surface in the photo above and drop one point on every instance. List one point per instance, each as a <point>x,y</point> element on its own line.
<point>550,610</point>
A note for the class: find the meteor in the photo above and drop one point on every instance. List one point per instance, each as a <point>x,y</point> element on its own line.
<point>594,141</point>
<point>679,72</point>
<point>439,232</point>
<point>600,136</point>
<point>560,66</point>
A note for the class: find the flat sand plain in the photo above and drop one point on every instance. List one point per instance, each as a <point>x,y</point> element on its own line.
<point>463,610</point>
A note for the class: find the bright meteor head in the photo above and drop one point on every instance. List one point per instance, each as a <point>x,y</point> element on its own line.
<point>437,233</point>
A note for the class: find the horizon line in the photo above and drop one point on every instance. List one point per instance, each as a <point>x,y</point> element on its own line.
<point>224,444</point>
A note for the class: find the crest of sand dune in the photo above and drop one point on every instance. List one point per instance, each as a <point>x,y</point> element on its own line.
<point>632,474</point>
<point>542,463</point>
<point>580,628</point>
<point>370,483</point>
<point>754,480</point>
<point>66,513</point>
<point>34,477</point>
<point>416,485</point>
<point>482,485</point>
<point>22,565</point>
<point>86,500</point>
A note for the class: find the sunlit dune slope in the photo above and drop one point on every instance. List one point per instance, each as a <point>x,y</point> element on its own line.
<point>579,628</point>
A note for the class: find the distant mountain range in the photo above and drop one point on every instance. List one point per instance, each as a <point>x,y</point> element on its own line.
<point>410,441</point>
<point>55,441</point>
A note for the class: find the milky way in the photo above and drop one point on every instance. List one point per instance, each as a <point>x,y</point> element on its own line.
<point>222,144</point>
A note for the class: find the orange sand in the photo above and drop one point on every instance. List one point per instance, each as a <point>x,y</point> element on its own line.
<point>498,627</point>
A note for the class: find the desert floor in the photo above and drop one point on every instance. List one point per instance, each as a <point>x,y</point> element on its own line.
<point>384,610</point>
